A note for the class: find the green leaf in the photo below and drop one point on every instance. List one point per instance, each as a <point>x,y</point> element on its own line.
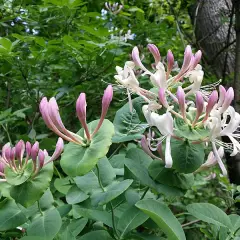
<point>30,191</point>
<point>130,219</point>
<point>169,176</point>
<point>235,220</point>
<point>164,218</point>
<point>96,235</point>
<point>47,225</point>
<point>31,238</point>
<point>77,225</point>
<point>75,195</point>
<point>106,172</point>
<point>17,178</point>
<point>138,155</point>
<point>10,215</point>
<point>187,157</point>
<point>46,201</point>
<point>63,184</point>
<point>128,125</point>
<point>111,192</point>
<point>77,160</point>
<point>209,213</point>
<point>87,183</point>
<point>97,215</point>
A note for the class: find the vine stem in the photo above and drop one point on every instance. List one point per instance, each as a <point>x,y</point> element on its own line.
<point>111,206</point>
<point>145,192</point>
<point>189,223</point>
<point>39,208</point>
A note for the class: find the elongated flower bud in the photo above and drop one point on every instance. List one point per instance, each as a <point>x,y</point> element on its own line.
<point>106,100</point>
<point>228,99</point>
<point>197,58</point>
<point>181,101</point>
<point>34,151</point>
<point>162,97</point>
<point>19,150</point>
<point>41,157</point>
<point>28,149</point>
<point>155,52</point>
<point>58,151</point>
<point>199,106</point>
<point>8,154</point>
<point>5,147</point>
<point>222,94</point>
<point>211,102</point>
<point>81,105</point>
<point>137,60</point>
<point>12,155</point>
<point>170,62</point>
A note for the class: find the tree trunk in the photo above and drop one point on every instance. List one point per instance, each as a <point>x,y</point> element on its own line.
<point>215,34</point>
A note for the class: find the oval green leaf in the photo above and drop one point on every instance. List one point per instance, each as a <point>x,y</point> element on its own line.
<point>163,217</point>
<point>77,160</point>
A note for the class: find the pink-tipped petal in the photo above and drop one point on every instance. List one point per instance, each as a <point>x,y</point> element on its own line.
<point>12,155</point>
<point>34,151</point>
<point>58,150</point>
<point>155,52</point>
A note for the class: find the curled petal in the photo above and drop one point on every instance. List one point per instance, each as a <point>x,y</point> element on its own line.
<point>164,123</point>
<point>162,97</point>
<point>222,94</point>
<point>19,150</point>
<point>147,114</point>
<point>168,156</point>
<point>219,160</point>
<point>137,60</point>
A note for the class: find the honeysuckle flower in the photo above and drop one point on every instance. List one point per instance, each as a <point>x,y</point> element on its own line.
<point>50,114</point>
<point>164,123</point>
<point>170,63</point>
<point>18,157</point>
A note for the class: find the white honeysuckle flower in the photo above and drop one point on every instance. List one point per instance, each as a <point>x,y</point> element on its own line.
<point>147,114</point>
<point>126,76</point>
<point>195,77</point>
<point>158,78</point>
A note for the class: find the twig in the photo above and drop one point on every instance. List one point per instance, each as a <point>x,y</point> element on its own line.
<point>190,223</point>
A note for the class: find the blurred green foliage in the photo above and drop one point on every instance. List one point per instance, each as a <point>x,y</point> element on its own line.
<point>61,48</point>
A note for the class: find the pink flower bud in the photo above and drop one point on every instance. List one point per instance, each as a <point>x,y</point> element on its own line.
<point>12,155</point>
<point>59,149</point>
<point>81,107</point>
<point>41,157</point>
<point>106,100</point>
<point>19,149</point>
<point>155,52</point>
<point>44,109</point>
<point>197,58</point>
<point>229,96</point>
<point>199,106</point>
<point>34,151</point>
<point>5,147</point>
<point>137,60</point>
<point>8,154</point>
<point>222,94</point>
<point>54,114</point>
<point>186,62</point>
<point>81,112</point>
<point>211,103</point>
<point>170,62</point>
<point>162,97</point>
<point>2,166</point>
<point>181,101</point>
<point>28,149</point>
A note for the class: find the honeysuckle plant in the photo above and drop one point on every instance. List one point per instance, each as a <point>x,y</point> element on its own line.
<point>128,180</point>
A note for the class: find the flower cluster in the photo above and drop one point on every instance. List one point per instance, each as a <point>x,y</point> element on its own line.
<point>180,97</point>
<point>18,157</point>
<point>113,8</point>
<point>50,114</point>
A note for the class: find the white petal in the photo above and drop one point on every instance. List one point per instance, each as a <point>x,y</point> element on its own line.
<point>168,156</point>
